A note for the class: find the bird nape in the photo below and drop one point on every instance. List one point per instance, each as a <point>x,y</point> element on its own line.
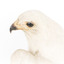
<point>45,39</point>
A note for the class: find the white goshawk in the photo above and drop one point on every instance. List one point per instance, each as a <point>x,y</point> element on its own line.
<point>45,39</point>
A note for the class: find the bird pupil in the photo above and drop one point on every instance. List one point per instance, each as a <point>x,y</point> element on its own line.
<point>29,24</point>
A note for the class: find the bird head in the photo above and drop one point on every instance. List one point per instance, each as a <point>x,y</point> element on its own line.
<point>30,22</point>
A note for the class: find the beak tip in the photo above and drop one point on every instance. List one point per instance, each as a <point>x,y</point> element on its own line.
<point>12,28</point>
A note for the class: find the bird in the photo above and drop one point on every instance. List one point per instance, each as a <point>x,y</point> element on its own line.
<point>45,39</point>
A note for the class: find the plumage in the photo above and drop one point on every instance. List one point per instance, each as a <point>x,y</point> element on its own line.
<point>45,39</point>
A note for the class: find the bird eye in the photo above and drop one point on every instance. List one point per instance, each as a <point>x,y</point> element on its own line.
<point>29,24</point>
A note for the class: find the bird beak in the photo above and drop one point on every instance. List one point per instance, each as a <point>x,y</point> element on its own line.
<point>15,26</point>
<point>12,28</point>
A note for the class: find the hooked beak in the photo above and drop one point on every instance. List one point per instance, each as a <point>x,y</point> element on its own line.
<point>15,26</point>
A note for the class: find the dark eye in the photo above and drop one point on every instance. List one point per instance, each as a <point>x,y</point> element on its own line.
<point>30,24</point>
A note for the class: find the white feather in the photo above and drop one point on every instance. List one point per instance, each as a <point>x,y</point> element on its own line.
<point>45,40</point>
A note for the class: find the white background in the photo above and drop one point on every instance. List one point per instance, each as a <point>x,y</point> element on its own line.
<point>10,10</point>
